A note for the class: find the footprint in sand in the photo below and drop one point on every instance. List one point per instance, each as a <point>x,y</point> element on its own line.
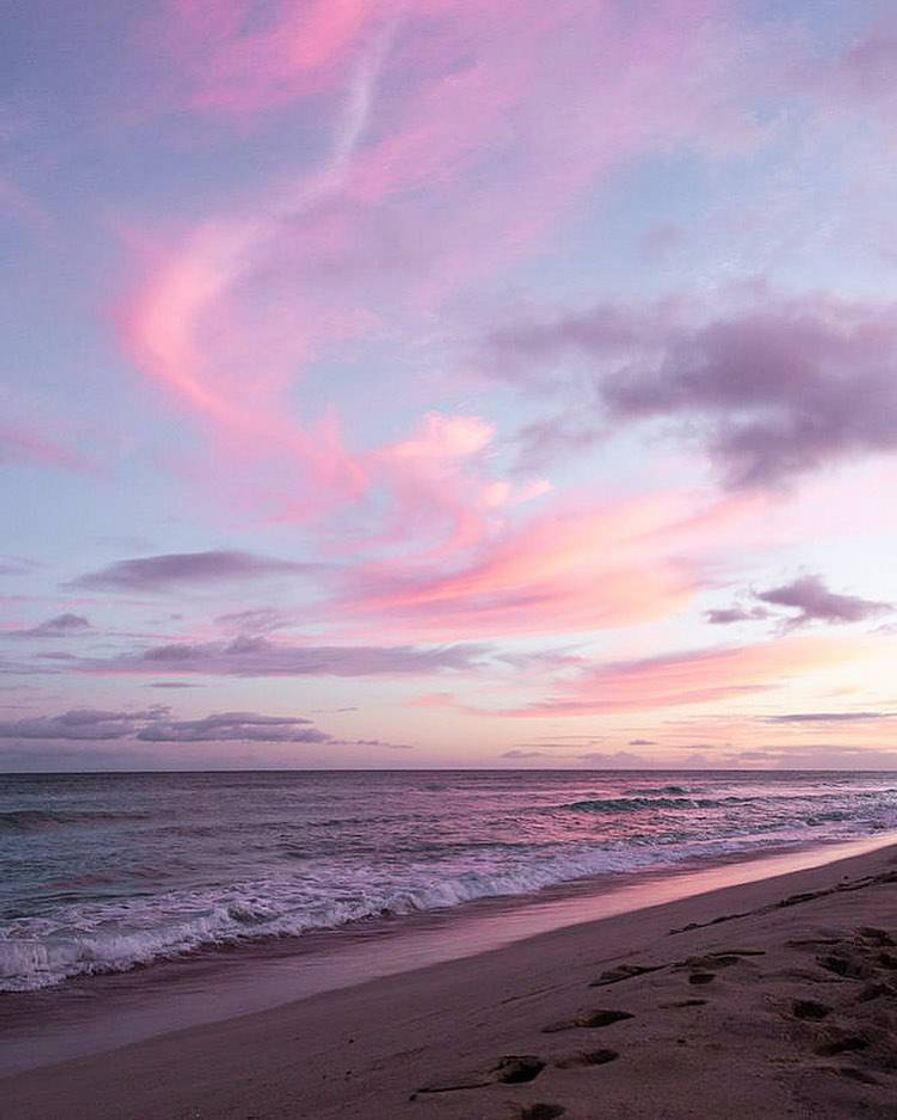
<point>854,1074</point>
<point>587,1058</point>
<point>841,1044</point>
<point>809,1009</point>
<point>624,972</point>
<point>538,1111</point>
<point>844,962</point>
<point>588,1019</point>
<point>513,1069</point>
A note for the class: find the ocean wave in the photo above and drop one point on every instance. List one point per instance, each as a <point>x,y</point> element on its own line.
<point>635,804</point>
<point>148,931</point>
<point>32,820</point>
<point>651,791</point>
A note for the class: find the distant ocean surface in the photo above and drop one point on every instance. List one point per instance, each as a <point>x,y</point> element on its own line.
<point>101,872</point>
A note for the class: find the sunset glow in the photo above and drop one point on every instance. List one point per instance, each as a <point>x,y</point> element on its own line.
<point>449,384</point>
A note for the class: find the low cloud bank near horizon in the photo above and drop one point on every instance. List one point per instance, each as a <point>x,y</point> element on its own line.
<point>158,726</point>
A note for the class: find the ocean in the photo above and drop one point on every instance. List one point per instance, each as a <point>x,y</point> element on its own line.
<point>106,872</point>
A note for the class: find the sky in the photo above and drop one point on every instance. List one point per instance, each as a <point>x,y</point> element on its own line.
<point>440,383</point>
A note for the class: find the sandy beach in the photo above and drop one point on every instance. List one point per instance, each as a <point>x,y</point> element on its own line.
<point>772,999</point>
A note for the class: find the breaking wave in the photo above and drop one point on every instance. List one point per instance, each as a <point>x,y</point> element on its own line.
<point>163,928</point>
<point>634,804</point>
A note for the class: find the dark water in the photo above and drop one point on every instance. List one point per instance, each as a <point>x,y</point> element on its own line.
<point>102,872</point>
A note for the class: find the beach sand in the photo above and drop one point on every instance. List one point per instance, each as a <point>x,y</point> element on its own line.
<point>772,999</point>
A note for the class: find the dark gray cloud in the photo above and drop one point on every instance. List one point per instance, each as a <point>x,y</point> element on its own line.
<point>181,569</point>
<point>771,392</point>
<point>255,656</point>
<point>827,717</point>
<point>813,602</point>
<point>228,727</point>
<point>642,743</point>
<point>519,754</point>
<point>62,626</point>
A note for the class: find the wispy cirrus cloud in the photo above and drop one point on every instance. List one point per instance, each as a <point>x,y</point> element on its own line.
<point>693,677</point>
<point>237,59</point>
<point>460,99</point>
<point>618,564</point>
<point>23,446</point>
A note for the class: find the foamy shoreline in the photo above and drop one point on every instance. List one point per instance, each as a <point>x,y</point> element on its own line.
<point>757,1009</point>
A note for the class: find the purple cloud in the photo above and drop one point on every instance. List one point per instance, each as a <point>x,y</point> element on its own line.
<point>618,760</point>
<point>226,727</point>
<point>62,626</point>
<point>79,723</point>
<point>772,392</point>
<point>384,743</point>
<point>177,569</point>
<point>260,620</point>
<point>156,725</point>
<point>814,756</point>
<point>642,742</point>
<point>516,753</point>
<point>813,602</point>
<point>827,717</point>
<point>23,446</point>
<point>724,616</point>
<point>253,656</point>
<point>14,566</point>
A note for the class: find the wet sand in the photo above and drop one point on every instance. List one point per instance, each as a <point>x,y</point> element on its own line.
<point>775,998</point>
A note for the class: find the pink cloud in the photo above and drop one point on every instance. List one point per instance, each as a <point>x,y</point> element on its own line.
<point>620,564</point>
<point>239,57</point>
<point>699,677</point>
<point>442,490</point>
<point>453,152</point>
<point>22,445</point>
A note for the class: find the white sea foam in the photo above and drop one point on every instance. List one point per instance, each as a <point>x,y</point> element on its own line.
<point>167,871</point>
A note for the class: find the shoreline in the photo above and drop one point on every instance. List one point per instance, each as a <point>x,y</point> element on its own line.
<point>363,1050</point>
<point>90,1014</point>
